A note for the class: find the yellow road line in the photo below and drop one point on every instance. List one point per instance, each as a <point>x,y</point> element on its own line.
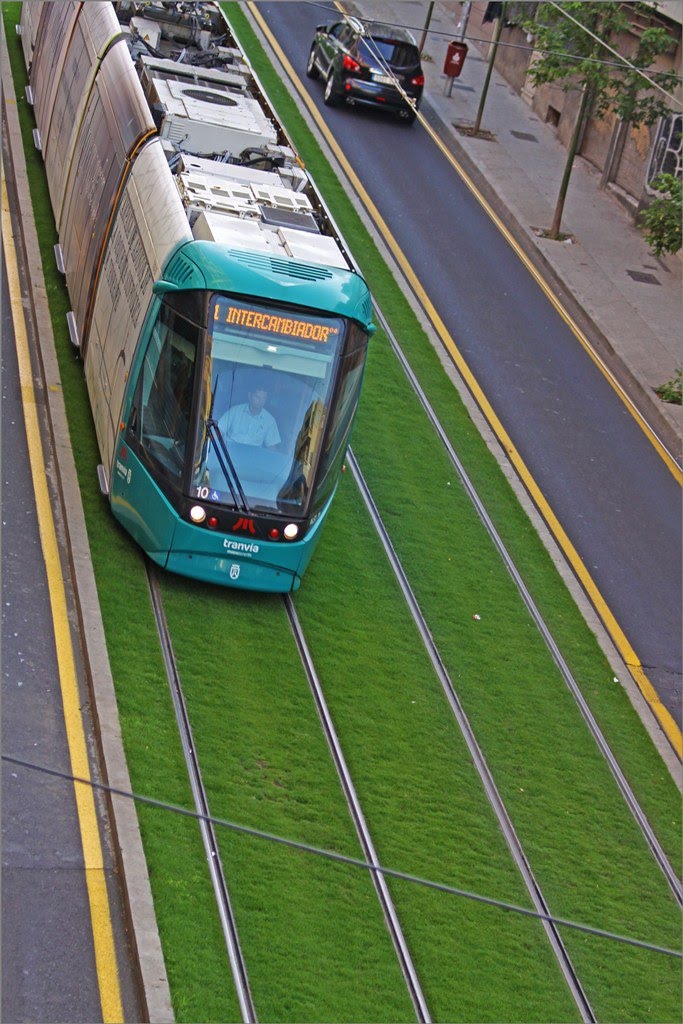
<point>659,446</point>
<point>103,938</point>
<point>665,719</point>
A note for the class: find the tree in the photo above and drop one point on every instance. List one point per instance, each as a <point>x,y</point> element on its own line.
<point>499,14</point>
<point>569,37</point>
<point>663,216</point>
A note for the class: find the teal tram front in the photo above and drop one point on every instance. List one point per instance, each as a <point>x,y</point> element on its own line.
<point>222,326</point>
<point>238,415</point>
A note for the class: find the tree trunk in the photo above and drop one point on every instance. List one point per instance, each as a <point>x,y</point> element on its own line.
<point>573,146</point>
<point>492,57</point>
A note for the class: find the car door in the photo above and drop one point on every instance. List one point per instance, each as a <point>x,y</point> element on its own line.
<point>347,42</point>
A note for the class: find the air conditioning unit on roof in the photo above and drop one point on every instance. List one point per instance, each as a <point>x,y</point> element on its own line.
<point>162,67</point>
<point>203,120</point>
<point>201,192</point>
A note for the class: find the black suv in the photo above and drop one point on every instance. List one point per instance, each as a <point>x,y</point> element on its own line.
<point>368,63</point>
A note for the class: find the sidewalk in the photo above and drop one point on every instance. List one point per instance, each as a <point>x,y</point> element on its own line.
<point>627,301</point>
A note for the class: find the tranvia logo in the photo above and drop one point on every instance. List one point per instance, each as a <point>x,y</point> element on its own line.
<point>246,547</point>
<point>234,571</point>
<point>123,471</point>
<point>244,524</point>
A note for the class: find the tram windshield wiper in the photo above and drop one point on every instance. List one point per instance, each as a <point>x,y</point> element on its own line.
<point>228,466</point>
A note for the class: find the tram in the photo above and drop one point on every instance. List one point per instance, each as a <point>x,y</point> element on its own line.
<point>221,323</point>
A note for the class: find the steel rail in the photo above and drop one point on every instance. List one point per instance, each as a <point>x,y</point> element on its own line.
<point>220,886</point>
<point>379,881</point>
<point>586,713</point>
<point>477,755</point>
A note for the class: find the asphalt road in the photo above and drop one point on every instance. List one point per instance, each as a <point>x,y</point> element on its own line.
<point>47,957</point>
<point>49,970</point>
<point>610,490</point>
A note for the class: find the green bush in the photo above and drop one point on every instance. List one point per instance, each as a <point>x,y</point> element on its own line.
<point>671,391</point>
<point>662,220</point>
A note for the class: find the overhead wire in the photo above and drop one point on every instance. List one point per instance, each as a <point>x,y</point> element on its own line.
<point>341,858</point>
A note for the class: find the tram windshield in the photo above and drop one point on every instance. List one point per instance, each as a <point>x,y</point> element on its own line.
<point>268,383</point>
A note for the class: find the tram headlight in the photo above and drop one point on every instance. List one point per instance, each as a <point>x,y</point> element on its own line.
<point>197,514</point>
<point>291,531</point>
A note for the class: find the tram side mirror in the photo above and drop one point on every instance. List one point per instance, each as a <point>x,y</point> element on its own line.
<point>161,287</point>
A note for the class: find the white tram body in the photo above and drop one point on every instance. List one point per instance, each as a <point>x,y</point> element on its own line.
<point>169,176</point>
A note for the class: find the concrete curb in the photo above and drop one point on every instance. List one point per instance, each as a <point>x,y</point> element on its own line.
<point>143,930</point>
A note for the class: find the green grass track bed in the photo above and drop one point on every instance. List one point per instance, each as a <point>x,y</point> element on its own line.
<point>312,932</point>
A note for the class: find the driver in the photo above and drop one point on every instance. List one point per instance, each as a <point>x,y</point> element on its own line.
<point>250,422</point>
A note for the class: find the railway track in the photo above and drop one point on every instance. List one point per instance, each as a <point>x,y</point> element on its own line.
<point>218,880</point>
<point>403,953</point>
<point>478,759</point>
<point>391,918</point>
<point>615,769</point>
<point>238,966</point>
<point>381,888</point>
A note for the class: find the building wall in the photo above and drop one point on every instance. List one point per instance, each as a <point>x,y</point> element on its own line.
<point>621,154</point>
<point>512,61</point>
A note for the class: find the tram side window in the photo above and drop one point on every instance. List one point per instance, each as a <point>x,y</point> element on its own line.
<point>337,439</point>
<point>160,418</point>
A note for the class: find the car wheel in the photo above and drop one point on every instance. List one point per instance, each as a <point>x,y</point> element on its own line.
<point>311,66</point>
<point>331,95</point>
<point>408,115</point>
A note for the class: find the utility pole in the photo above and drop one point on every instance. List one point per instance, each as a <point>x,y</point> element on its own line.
<point>423,38</point>
<point>489,70</point>
<point>461,27</point>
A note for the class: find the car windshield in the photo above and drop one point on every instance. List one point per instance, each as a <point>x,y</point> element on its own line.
<point>267,385</point>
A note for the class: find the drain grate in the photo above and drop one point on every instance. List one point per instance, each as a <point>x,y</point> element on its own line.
<point>642,278</point>
<point>527,136</point>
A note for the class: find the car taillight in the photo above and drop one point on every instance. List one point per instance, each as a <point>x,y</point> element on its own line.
<point>418,80</point>
<point>349,64</point>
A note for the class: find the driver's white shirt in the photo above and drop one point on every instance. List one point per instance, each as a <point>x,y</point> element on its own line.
<point>238,424</point>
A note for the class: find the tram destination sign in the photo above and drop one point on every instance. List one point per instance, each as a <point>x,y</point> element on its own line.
<point>271,323</point>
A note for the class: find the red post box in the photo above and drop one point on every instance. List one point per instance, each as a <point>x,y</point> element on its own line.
<point>455,58</point>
